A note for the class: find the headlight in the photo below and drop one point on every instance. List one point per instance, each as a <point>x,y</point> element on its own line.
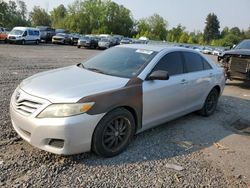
<point>65,110</point>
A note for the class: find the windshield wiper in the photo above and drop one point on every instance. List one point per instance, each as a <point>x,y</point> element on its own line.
<point>96,70</point>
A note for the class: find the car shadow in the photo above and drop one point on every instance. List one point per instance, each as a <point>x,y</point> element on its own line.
<point>176,138</point>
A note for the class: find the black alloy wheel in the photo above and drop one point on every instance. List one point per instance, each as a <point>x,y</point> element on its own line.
<point>116,133</point>
<point>113,133</point>
<point>210,103</point>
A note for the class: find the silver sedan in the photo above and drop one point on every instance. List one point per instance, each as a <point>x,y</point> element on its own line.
<point>102,103</point>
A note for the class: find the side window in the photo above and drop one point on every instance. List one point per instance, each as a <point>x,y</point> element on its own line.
<point>25,33</point>
<point>172,63</point>
<point>193,62</point>
<point>36,33</point>
<point>31,32</point>
<point>206,65</point>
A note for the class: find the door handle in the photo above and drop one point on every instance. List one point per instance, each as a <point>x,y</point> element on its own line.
<point>210,75</point>
<point>184,81</point>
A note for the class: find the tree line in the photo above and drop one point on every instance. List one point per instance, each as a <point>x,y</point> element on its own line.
<point>106,16</point>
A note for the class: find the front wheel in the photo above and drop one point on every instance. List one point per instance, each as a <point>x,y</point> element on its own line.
<point>23,42</point>
<point>37,42</point>
<point>113,133</point>
<point>210,103</point>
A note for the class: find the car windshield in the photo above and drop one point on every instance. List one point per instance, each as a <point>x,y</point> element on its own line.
<point>61,34</point>
<point>105,40</point>
<point>119,61</point>
<point>16,32</point>
<point>245,44</point>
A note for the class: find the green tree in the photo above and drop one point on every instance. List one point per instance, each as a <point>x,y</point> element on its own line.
<point>184,38</point>
<point>153,27</point>
<point>235,31</point>
<point>13,13</point>
<point>118,19</point>
<point>212,27</point>
<point>58,16</point>
<point>39,17</point>
<point>175,33</point>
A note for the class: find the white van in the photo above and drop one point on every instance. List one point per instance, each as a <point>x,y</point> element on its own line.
<point>24,35</point>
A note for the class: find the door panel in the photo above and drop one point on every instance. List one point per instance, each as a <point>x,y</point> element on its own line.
<point>163,100</point>
<point>199,84</point>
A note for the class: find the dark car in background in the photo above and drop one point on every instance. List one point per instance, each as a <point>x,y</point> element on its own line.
<point>74,38</point>
<point>88,42</point>
<point>237,61</point>
<point>46,33</point>
<point>61,38</point>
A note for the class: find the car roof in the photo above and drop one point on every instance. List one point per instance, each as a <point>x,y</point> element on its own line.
<point>24,28</point>
<point>155,47</point>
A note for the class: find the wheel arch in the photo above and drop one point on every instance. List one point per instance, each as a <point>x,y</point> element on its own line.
<point>218,89</point>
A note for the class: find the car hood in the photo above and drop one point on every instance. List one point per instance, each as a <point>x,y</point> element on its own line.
<point>70,84</point>
<point>59,37</point>
<point>238,53</point>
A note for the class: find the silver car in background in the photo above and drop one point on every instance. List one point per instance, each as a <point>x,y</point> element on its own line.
<point>102,103</point>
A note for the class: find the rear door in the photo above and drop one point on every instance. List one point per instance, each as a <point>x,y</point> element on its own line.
<point>199,77</point>
<point>165,99</point>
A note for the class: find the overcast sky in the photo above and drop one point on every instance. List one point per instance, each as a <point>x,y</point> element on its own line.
<point>189,13</point>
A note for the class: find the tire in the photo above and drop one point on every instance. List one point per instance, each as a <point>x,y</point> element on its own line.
<point>78,46</point>
<point>113,133</point>
<point>37,42</point>
<point>23,42</point>
<point>210,103</point>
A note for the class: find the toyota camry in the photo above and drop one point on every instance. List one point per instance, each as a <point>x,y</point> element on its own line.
<point>100,104</point>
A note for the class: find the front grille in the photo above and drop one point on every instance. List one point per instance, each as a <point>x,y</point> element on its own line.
<point>27,107</point>
<point>12,37</point>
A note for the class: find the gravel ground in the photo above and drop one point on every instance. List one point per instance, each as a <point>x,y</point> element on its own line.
<point>187,141</point>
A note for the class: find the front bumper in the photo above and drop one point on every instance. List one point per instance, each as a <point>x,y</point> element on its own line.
<point>74,133</point>
<point>58,41</point>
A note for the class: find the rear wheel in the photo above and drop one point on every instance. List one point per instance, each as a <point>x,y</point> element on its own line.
<point>210,103</point>
<point>113,133</point>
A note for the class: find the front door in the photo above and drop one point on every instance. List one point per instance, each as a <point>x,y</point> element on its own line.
<point>165,99</point>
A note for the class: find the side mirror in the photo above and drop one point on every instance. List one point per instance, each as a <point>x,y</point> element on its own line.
<point>158,75</point>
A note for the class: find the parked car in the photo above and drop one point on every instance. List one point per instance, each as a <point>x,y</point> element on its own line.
<point>46,33</point>
<point>117,39</point>
<point>74,38</point>
<point>24,35</point>
<point>237,61</point>
<point>101,103</point>
<point>126,41</point>
<point>207,50</point>
<point>105,43</point>
<point>61,38</point>
<point>3,34</point>
<point>88,42</point>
